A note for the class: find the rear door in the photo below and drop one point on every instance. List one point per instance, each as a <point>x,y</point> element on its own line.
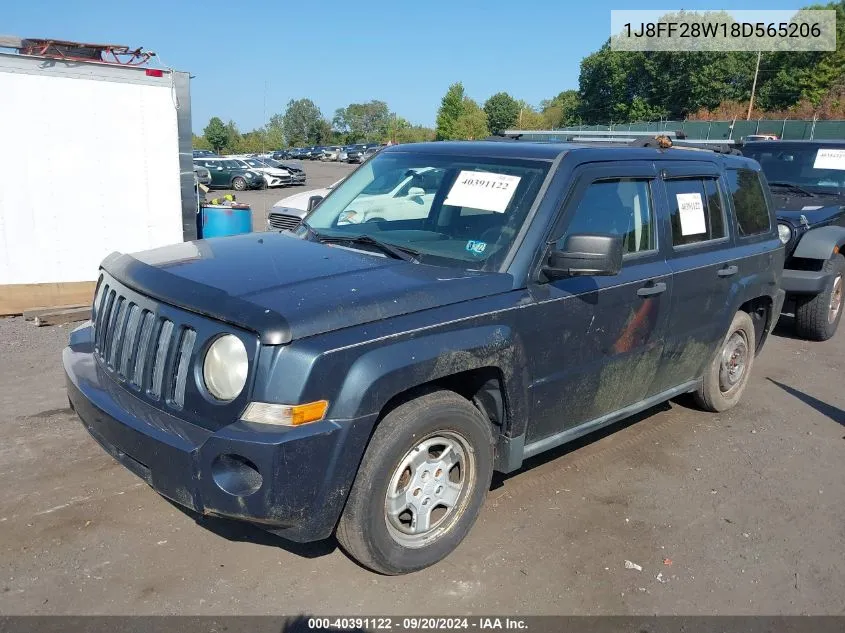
<point>705,267</point>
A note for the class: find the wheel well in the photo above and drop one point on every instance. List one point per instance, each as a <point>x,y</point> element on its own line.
<point>760,311</point>
<point>483,387</point>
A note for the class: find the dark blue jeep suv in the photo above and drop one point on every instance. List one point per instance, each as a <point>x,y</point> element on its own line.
<point>365,374</point>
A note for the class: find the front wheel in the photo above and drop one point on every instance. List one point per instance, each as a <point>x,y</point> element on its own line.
<point>817,318</point>
<point>238,184</point>
<point>727,374</point>
<point>420,486</point>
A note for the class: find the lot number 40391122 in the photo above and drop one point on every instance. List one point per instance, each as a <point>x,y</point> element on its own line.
<point>482,190</point>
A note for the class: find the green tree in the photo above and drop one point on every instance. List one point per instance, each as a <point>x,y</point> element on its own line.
<point>362,121</point>
<point>200,142</point>
<point>301,122</point>
<point>451,108</point>
<point>233,139</point>
<point>561,110</point>
<point>275,130</point>
<point>216,134</point>
<point>502,112</point>
<point>472,122</point>
<point>320,132</point>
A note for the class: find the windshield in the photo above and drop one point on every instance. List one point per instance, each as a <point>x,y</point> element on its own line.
<point>452,210</point>
<point>232,164</point>
<point>810,166</point>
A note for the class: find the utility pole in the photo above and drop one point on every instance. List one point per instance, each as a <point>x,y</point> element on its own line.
<point>753,87</point>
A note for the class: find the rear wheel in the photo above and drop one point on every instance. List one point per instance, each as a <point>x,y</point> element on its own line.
<point>727,375</point>
<point>238,183</point>
<point>816,318</point>
<point>420,486</point>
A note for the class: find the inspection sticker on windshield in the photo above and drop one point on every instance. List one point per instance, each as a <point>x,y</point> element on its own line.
<point>830,159</point>
<point>691,210</point>
<point>482,190</point>
<point>476,248</point>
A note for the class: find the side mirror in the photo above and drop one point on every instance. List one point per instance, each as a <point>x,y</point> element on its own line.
<point>416,192</point>
<point>586,254</point>
<point>313,201</point>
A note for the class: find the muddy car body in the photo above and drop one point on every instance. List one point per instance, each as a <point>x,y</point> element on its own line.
<point>370,379</point>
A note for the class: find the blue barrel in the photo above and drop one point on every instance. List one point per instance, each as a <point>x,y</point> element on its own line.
<point>219,221</point>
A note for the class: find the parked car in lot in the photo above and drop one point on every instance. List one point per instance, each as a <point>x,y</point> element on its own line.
<point>228,173</point>
<point>288,212</point>
<point>331,153</point>
<point>297,174</point>
<point>369,378</point>
<point>807,181</point>
<point>281,154</point>
<point>355,154</point>
<point>274,176</point>
<point>760,137</point>
<point>202,175</point>
<point>203,153</point>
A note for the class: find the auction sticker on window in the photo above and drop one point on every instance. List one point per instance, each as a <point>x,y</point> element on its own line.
<point>482,190</point>
<point>691,210</point>
<point>830,159</point>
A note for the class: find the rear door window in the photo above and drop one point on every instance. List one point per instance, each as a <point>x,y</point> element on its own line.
<point>696,209</point>
<point>752,214</point>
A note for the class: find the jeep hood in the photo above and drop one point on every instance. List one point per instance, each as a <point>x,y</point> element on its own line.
<point>284,288</point>
<point>818,209</point>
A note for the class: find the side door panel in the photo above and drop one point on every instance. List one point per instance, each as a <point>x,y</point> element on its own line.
<point>705,278</point>
<point>596,342</point>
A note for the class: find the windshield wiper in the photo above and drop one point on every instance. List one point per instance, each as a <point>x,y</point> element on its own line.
<point>397,252</point>
<point>791,187</point>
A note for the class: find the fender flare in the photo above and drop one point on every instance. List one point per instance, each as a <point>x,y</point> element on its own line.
<point>819,243</point>
<point>382,373</point>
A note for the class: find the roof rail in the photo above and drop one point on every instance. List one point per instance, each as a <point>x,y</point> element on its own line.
<point>662,140</point>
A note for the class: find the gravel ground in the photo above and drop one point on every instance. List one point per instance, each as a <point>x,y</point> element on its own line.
<point>735,513</point>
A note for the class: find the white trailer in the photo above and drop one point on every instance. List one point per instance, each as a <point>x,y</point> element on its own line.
<point>95,158</point>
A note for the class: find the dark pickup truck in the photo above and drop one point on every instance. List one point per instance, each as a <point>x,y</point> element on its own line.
<point>807,179</point>
<point>367,378</point>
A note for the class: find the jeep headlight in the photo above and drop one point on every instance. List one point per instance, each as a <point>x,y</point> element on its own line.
<point>248,174</point>
<point>784,233</point>
<point>225,367</point>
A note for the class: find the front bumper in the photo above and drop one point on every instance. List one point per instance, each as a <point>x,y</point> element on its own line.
<point>290,481</point>
<point>277,181</point>
<point>804,282</point>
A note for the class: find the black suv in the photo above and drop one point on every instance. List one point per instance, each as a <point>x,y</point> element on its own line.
<point>807,179</point>
<point>375,373</point>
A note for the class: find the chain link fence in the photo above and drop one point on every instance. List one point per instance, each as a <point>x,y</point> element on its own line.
<point>787,129</point>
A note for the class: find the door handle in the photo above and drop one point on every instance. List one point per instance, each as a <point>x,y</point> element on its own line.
<point>652,289</point>
<point>728,271</point>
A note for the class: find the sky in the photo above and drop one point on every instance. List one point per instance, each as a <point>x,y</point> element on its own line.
<point>248,59</point>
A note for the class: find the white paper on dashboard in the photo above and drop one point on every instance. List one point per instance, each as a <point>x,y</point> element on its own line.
<point>482,190</point>
<point>830,159</point>
<point>691,210</point>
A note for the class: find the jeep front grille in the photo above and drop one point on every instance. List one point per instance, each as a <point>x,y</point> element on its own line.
<point>282,222</point>
<point>150,353</point>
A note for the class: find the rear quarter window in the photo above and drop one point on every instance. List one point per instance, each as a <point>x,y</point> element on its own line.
<point>752,214</point>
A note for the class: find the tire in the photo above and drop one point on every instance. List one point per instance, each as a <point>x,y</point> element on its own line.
<point>722,387</point>
<point>817,317</point>
<point>238,184</point>
<point>403,457</point>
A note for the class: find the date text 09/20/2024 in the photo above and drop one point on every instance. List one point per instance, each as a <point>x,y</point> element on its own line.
<point>417,623</point>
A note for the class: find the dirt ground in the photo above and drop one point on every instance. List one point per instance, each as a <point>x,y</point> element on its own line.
<point>736,513</point>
